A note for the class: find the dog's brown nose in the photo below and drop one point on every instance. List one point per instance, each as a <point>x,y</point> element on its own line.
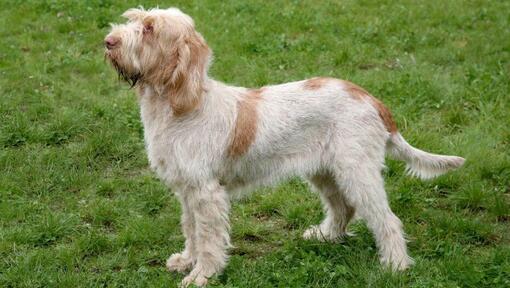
<point>110,42</point>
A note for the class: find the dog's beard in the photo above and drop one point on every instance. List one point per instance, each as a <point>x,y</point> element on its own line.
<point>129,77</point>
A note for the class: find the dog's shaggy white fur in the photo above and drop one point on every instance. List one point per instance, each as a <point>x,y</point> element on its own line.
<point>207,140</point>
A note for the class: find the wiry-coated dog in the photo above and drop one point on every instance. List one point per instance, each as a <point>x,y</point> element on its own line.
<point>207,140</point>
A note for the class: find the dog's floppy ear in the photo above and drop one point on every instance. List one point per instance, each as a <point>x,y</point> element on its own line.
<point>134,14</point>
<point>188,68</point>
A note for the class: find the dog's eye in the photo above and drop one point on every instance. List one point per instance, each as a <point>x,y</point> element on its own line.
<point>147,29</point>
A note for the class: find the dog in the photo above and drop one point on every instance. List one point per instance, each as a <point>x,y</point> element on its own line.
<point>208,140</point>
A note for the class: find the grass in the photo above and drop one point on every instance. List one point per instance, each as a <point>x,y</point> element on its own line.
<point>79,207</point>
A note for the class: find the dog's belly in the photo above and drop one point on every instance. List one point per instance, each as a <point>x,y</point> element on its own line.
<point>248,174</point>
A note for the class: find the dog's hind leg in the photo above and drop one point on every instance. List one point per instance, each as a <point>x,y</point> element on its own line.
<point>364,190</point>
<point>338,212</point>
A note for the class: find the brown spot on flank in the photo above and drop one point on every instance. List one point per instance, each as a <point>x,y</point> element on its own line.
<point>316,83</point>
<point>246,123</point>
<point>359,93</point>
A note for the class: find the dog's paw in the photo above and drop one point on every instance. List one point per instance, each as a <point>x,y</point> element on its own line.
<point>316,233</point>
<point>198,280</point>
<point>313,233</point>
<point>400,263</point>
<point>178,262</point>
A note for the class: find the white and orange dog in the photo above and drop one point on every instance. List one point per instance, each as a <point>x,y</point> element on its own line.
<point>207,140</point>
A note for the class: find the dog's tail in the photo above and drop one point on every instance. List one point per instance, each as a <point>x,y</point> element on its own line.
<point>420,163</point>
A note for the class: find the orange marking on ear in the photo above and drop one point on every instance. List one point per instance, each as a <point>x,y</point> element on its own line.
<point>186,68</point>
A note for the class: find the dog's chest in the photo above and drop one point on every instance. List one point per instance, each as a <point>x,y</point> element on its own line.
<point>179,150</point>
<point>161,139</point>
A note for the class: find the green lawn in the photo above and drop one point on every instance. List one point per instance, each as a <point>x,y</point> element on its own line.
<point>80,208</point>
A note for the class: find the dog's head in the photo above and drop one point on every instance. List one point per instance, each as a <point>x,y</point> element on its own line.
<point>161,47</point>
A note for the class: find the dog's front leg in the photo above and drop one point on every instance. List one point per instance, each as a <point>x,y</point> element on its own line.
<point>183,261</point>
<point>210,206</point>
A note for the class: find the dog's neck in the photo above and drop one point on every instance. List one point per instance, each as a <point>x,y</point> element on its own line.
<point>219,103</point>
<point>157,97</point>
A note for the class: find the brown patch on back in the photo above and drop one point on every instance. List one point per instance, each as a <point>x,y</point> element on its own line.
<point>354,90</point>
<point>385,114</point>
<point>316,83</point>
<point>246,123</point>
<point>359,93</point>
